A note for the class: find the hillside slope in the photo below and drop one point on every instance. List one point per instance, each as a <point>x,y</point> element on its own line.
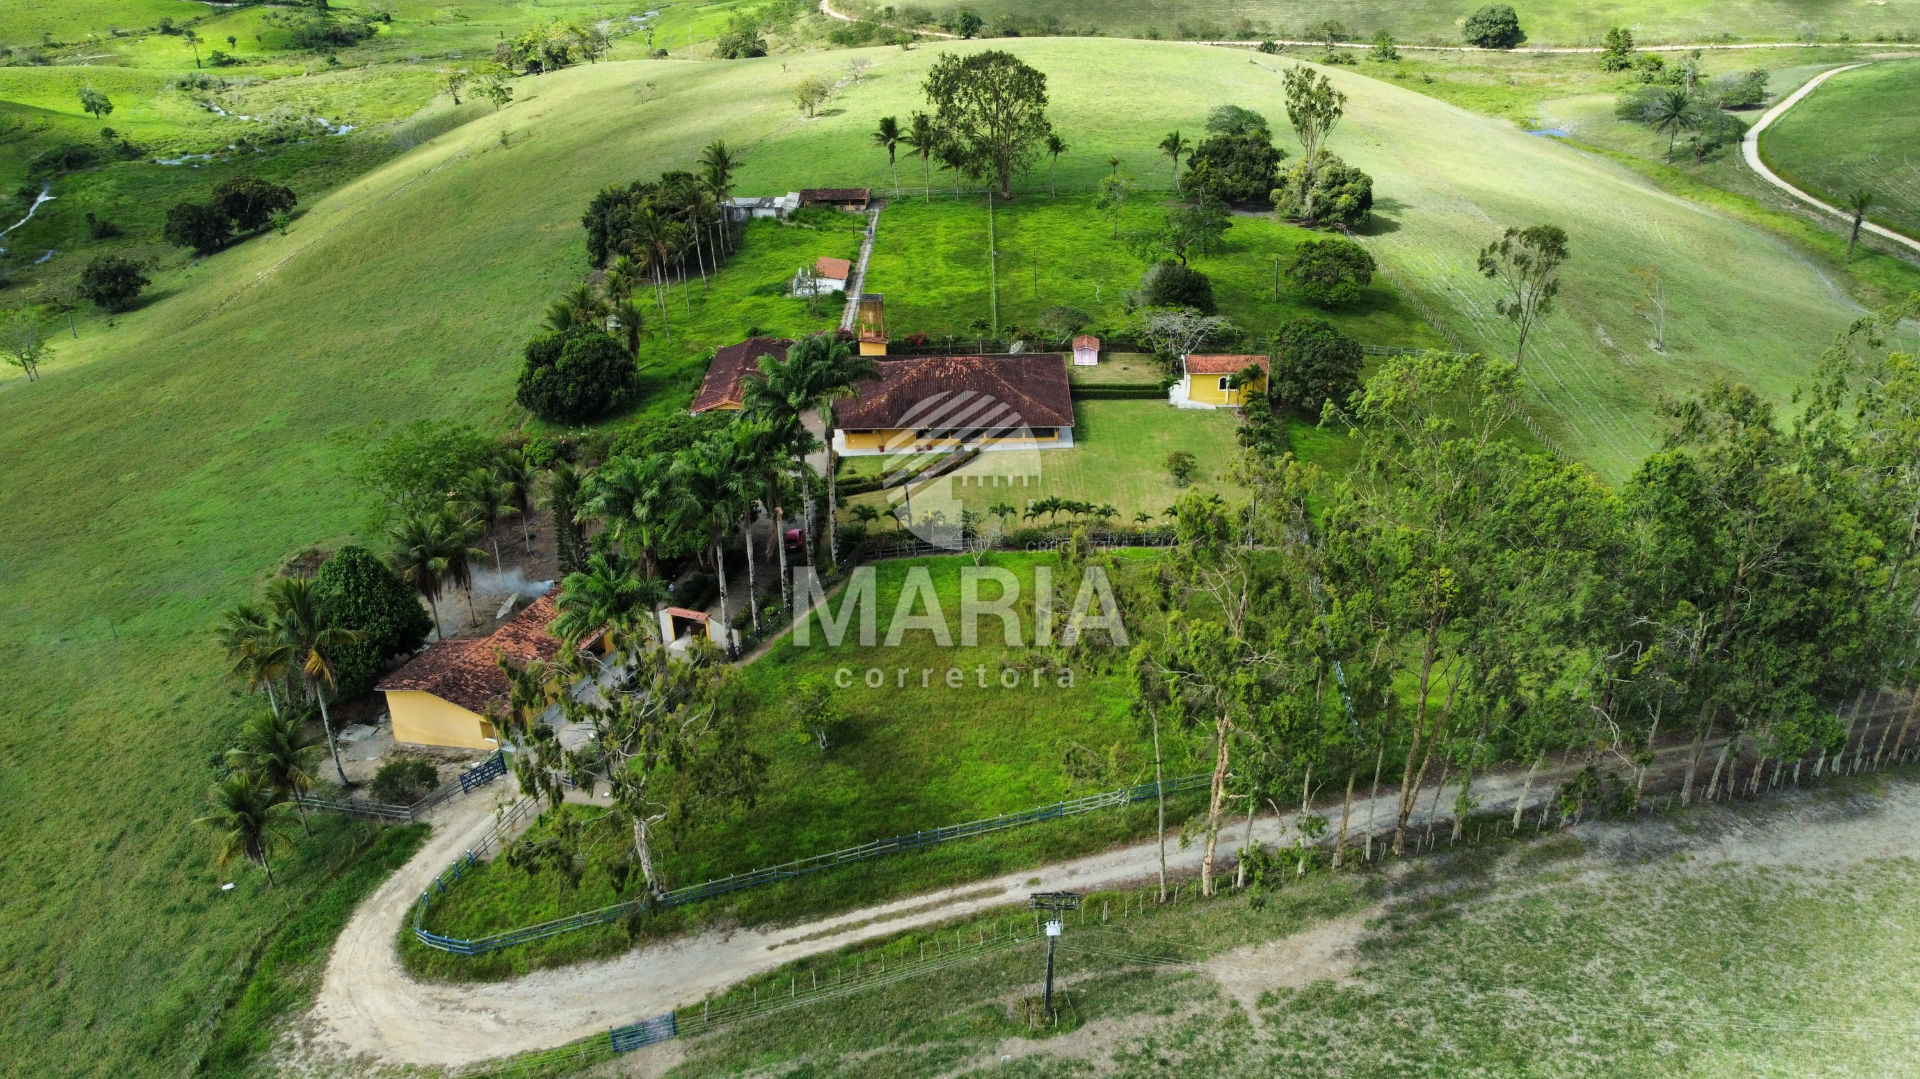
<point>171,458</point>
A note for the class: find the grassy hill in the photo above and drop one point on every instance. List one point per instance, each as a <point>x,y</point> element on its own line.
<point>1858,131</point>
<point>171,457</point>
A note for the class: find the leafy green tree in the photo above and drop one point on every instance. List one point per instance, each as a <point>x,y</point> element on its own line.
<point>741,39</point>
<point>198,225</point>
<point>813,92</point>
<point>368,599</point>
<point>1236,121</point>
<point>634,500</point>
<point>992,108</point>
<point>812,709</point>
<point>1234,167</point>
<point>1181,466</point>
<point>94,103</point>
<point>496,88</point>
<point>1175,147</point>
<point>1617,54</point>
<point>1332,271</point>
<point>1324,191</point>
<point>1494,26</point>
<point>23,341</point>
<point>274,750</point>
<point>576,376</point>
<point>1526,265</point>
<point>113,281</point>
<point>419,465</point>
<point>250,203</point>
<point>965,22</point>
<point>249,822</point>
<point>1385,50</point>
<point>1200,224</point>
<point>1314,364</point>
<point>781,394</point>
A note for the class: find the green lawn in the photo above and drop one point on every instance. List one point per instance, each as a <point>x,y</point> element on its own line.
<point>1858,132</point>
<point>172,456</point>
<point>930,260</point>
<point>902,756</point>
<point>1119,458</point>
<point>1547,22</point>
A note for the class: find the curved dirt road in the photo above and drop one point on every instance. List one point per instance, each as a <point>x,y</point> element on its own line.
<point>1750,149</point>
<point>368,1008</point>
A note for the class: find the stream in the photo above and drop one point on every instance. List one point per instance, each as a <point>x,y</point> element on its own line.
<point>46,188</point>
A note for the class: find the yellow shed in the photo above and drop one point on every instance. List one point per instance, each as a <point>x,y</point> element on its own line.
<point>445,695</point>
<point>1207,381</point>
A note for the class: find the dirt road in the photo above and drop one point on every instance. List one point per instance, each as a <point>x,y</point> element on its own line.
<point>369,1008</point>
<point>1750,149</point>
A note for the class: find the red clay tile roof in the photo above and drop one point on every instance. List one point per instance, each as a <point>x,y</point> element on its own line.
<point>833,269</point>
<point>1086,340</point>
<point>812,195</point>
<point>465,671</point>
<point>731,364</point>
<point>1224,365</point>
<point>960,392</point>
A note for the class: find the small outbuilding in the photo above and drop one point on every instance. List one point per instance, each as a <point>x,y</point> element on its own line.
<point>748,207</point>
<point>829,275</point>
<point>1214,382</point>
<point>851,199</point>
<point>1086,350</point>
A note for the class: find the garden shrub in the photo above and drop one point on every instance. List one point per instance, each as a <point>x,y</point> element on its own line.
<point>1170,284</point>
<point>404,781</point>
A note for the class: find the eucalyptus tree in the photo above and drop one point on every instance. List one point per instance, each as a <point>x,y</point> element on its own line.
<point>249,822</point>
<point>1525,263</point>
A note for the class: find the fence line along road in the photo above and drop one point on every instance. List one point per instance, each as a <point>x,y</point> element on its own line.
<point>468,781</point>
<point>878,848</point>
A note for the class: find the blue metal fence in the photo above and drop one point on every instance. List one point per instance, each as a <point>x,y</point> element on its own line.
<point>786,871</point>
<point>483,773</point>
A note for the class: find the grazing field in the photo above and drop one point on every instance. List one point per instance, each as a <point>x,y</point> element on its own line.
<point>1755,941</point>
<point>1858,132</point>
<point>1546,22</point>
<point>914,752</point>
<point>172,456</point>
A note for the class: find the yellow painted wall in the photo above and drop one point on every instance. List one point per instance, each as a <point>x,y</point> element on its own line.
<point>426,720</point>
<point>1205,389</point>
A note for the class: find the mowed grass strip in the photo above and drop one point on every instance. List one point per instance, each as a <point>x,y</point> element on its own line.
<point>1858,132</point>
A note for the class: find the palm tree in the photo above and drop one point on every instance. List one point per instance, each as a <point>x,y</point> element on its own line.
<point>308,627</point>
<point>923,138</point>
<point>709,499</point>
<point>560,496</point>
<point>259,656</point>
<point>248,820</point>
<point>632,498</point>
<point>658,237</point>
<point>424,547</point>
<point>518,473</point>
<point>1175,147</point>
<point>748,487</point>
<point>1055,147</point>
<point>193,42</point>
<point>464,530</point>
<point>887,137</point>
<point>767,447</point>
<point>781,393</point>
<point>716,166</point>
<point>608,594</point>
<point>1856,204</point>
<point>834,371</point>
<point>275,751</point>
<point>627,319</point>
<point>486,497</point>
<point>1672,112</point>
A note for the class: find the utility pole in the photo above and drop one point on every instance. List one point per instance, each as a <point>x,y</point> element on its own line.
<point>1056,903</point>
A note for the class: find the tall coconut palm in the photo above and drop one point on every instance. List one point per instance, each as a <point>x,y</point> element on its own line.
<point>519,474</point>
<point>249,821</point>
<point>608,595</point>
<point>259,656</point>
<point>748,487</point>
<point>485,496</point>
<point>716,173</point>
<point>466,531</point>
<point>1672,112</point>
<point>309,628</point>
<point>657,238</point>
<point>782,393</point>
<point>832,371</point>
<point>887,137</point>
<point>1055,147</point>
<point>923,138</point>
<point>276,752</point>
<point>425,544</point>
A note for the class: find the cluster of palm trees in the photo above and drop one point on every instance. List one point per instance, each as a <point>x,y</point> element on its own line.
<point>434,545</point>
<point>288,642</point>
<point>690,502</point>
<point>248,808</point>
